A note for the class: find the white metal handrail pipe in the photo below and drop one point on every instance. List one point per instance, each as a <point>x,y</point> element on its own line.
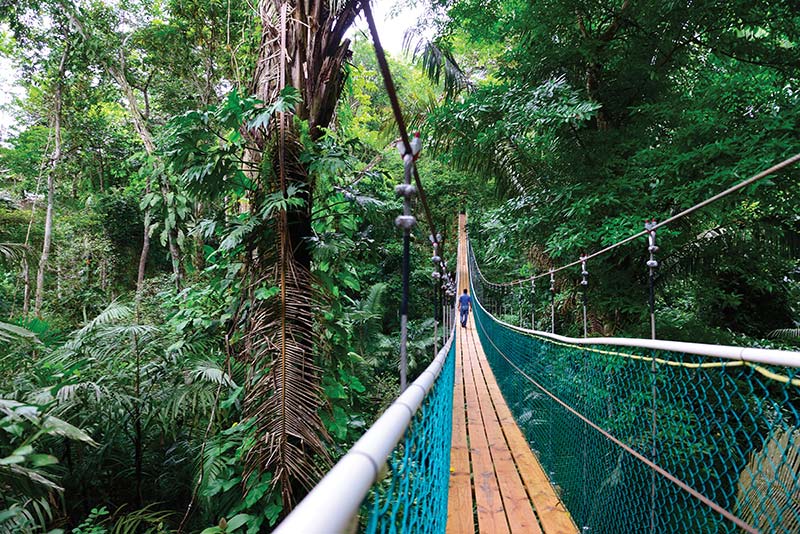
<point>332,504</point>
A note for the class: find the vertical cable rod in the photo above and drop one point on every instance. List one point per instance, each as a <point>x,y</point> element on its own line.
<point>552,302</point>
<point>585,288</point>
<point>652,264</point>
<point>533,304</point>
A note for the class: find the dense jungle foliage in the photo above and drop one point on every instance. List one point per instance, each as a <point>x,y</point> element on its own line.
<point>177,192</point>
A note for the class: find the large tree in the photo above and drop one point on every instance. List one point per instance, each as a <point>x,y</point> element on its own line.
<point>303,46</point>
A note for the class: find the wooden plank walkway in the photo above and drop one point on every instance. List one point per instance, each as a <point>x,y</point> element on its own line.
<point>496,483</point>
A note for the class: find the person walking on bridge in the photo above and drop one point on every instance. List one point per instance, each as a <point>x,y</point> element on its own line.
<point>464,302</point>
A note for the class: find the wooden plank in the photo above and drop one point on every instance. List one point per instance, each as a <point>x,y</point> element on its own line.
<point>460,517</point>
<point>489,503</point>
<point>553,515</point>
<point>516,503</point>
<point>509,486</point>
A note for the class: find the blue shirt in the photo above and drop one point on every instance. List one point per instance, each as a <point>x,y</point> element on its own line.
<point>464,301</point>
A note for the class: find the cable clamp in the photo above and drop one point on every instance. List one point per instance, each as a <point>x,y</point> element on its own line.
<point>652,248</point>
<point>405,190</point>
<point>406,222</point>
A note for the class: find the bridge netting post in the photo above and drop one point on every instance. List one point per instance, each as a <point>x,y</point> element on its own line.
<point>437,276</point>
<point>406,221</point>
<point>652,264</point>
<point>650,227</point>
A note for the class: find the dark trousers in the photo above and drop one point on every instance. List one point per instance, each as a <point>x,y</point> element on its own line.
<point>464,314</point>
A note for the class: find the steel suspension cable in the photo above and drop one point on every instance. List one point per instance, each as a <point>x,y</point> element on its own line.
<point>388,81</point>
<point>406,221</point>
<point>763,174</point>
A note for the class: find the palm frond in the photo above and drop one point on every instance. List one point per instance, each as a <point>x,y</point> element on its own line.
<point>285,396</point>
<point>768,495</point>
<point>438,63</point>
<point>786,333</point>
<point>372,305</point>
<point>113,313</point>
<point>285,400</point>
<point>9,332</point>
<point>29,515</point>
<point>510,132</point>
<point>13,251</point>
<point>210,372</point>
<point>140,520</point>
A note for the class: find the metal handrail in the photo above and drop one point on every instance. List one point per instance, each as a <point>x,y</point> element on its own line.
<point>334,501</point>
<point>785,358</point>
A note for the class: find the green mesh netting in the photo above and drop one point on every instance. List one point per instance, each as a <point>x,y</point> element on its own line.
<point>412,496</point>
<point>728,429</point>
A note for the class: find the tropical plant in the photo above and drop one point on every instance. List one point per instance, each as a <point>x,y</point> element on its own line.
<point>30,489</point>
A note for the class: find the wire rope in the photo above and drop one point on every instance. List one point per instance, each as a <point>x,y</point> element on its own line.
<point>763,174</point>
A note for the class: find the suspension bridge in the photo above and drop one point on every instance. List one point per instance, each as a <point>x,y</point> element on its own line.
<point>518,430</point>
<point>511,429</point>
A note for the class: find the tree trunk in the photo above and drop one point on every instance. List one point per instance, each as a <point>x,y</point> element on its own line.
<point>26,270</point>
<point>48,221</point>
<point>594,66</point>
<point>102,173</point>
<point>144,253</point>
<point>302,45</point>
<point>138,440</point>
<point>199,245</point>
<point>26,291</point>
<point>172,239</point>
<point>141,127</point>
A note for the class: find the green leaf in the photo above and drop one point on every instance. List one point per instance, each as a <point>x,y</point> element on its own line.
<point>57,427</point>
<point>265,293</point>
<point>334,390</point>
<point>237,521</point>
<point>41,460</point>
<point>25,450</point>
<point>356,385</point>
<point>273,512</point>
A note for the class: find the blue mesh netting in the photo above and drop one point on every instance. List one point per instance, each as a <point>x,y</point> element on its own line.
<point>412,495</point>
<point>729,429</point>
